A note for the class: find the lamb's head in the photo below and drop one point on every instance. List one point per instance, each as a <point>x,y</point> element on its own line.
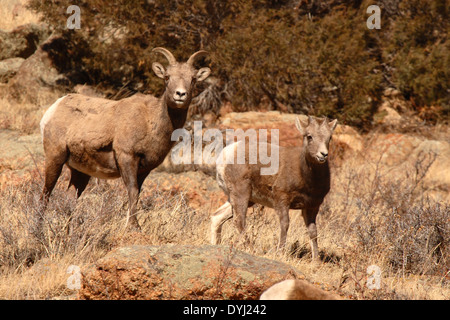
<point>316,133</point>
<point>180,77</point>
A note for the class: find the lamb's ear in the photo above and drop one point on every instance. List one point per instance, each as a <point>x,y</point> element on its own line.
<point>300,126</point>
<point>332,125</point>
<point>202,74</point>
<point>158,69</point>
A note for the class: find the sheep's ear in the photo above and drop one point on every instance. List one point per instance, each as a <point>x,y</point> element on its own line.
<point>332,125</point>
<point>158,69</point>
<point>300,126</point>
<point>202,74</point>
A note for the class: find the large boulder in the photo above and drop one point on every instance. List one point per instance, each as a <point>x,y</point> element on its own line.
<point>181,272</point>
<point>390,149</point>
<point>9,67</point>
<point>38,77</point>
<point>23,41</point>
<point>284,122</point>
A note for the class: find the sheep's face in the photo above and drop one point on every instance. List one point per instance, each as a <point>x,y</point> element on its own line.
<point>180,79</point>
<point>316,135</point>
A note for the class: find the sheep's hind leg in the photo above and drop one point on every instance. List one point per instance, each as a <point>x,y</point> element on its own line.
<point>53,168</point>
<point>218,218</point>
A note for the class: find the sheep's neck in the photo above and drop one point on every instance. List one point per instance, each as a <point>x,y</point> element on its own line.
<point>313,172</point>
<point>177,115</point>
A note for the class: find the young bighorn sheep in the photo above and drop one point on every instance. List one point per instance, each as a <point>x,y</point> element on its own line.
<point>302,182</point>
<point>109,139</point>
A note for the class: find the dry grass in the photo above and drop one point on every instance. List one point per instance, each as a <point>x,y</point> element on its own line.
<point>24,116</point>
<point>368,218</point>
<point>14,13</point>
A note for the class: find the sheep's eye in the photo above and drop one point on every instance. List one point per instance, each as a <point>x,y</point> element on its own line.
<point>309,137</point>
<point>166,77</point>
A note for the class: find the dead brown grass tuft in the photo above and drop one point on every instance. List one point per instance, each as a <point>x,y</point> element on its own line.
<point>24,116</point>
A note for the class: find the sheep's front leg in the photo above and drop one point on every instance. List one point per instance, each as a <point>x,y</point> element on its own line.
<point>309,216</point>
<point>128,166</point>
<point>283,215</point>
<point>223,214</point>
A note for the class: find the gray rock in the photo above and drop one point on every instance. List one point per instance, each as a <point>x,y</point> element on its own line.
<point>23,41</point>
<point>9,67</point>
<point>181,272</point>
<point>37,74</point>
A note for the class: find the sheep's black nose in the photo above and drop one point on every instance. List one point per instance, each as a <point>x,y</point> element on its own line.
<point>324,154</point>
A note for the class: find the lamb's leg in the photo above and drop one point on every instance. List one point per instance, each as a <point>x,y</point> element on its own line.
<point>128,166</point>
<point>309,216</point>
<point>239,198</point>
<point>223,214</point>
<point>283,215</point>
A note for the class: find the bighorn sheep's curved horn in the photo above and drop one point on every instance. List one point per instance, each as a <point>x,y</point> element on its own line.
<point>195,56</point>
<point>167,54</point>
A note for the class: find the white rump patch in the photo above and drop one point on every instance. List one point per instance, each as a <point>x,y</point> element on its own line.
<point>48,115</point>
<point>227,156</point>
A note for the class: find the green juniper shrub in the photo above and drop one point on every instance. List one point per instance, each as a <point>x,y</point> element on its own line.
<point>304,57</point>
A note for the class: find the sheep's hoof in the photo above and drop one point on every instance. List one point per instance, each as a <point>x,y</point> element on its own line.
<point>316,262</point>
<point>133,226</point>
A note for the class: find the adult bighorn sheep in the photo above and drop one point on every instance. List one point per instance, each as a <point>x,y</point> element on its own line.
<point>109,139</point>
<point>302,182</point>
